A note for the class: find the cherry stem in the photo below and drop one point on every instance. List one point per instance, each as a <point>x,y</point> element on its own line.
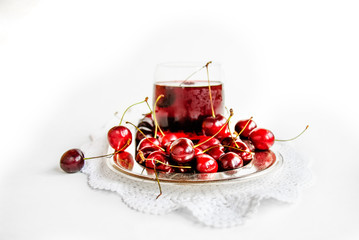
<point>111,154</point>
<point>210,148</point>
<point>130,107</point>
<point>192,74</point>
<point>209,89</point>
<point>225,124</point>
<point>158,182</point>
<point>285,140</point>
<point>155,118</point>
<point>154,168</point>
<point>145,136</point>
<point>158,161</point>
<point>238,148</point>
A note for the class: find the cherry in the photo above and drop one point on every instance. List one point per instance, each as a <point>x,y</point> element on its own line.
<point>124,159</point>
<point>146,122</point>
<point>143,154</point>
<point>249,144</point>
<point>206,142</point>
<point>158,160</point>
<point>241,149</point>
<point>261,138</point>
<point>72,161</point>
<point>182,150</point>
<point>145,132</point>
<point>227,141</point>
<point>148,142</point>
<point>169,138</point>
<point>230,160</point>
<point>264,159</point>
<point>216,152</point>
<point>244,127</point>
<point>197,151</point>
<point>119,137</point>
<point>216,125</point>
<point>206,164</point>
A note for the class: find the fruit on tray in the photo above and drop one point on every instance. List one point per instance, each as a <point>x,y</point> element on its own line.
<point>208,147</point>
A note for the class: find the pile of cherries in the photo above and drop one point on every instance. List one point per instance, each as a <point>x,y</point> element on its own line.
<point>214,149</point>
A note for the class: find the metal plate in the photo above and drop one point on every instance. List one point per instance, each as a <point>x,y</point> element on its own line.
<point>263,163</point>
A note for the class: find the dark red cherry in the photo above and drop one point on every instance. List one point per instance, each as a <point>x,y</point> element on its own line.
<point>206,164</point>
<point>182,150</point>
<point>119,137</point>
<point>148,142</point>
<point>227,141</point>
<point>249,144</point>
<point>72,161</point>
<point>229,161</point>
<point>168,138</point>
<point>159,160</point>
<point>242,150</point>
<point>207,142</point>
<point>145,132</point>
<point>264,159</point>
<point>242,123</point>
<point>124,159</point>
<point>211,125</point>
<point>146,122</point>
<point>261,138</point>
<point>216,152</point>
<point>143,153</point>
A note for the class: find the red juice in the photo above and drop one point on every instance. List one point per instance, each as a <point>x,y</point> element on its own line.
<point>186,104</point>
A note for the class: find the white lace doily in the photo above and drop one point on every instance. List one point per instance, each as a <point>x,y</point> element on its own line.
<point>222,205</point>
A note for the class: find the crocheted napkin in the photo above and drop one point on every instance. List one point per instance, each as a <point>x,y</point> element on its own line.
<point>222,205</point>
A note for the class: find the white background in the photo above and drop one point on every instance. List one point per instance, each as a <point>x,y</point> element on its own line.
<point>67,66</point>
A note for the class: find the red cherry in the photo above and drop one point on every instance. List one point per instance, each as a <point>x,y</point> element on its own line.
<point>182,150</point>
<point>148,142</point>
<point>143,153</point>
<point>241,124</point>
<point>249,145</point>
<point>159,160</point>
<point>229,161</point>
<point>264,159</point>
<point>261,138</point>
<point>211,125</point>
<point>204,143</point>
<point>197,151</point>
<point>216,152</point>
<point>206,164</point>
<point>119,137</point>
<point>168,138</point>
<point>242,150</point>
<point>145,133</point>
<point>124,159</point>
<point>72,161</point>
<point>227,141</point>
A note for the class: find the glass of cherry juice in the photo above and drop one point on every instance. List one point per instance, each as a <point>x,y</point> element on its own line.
<point>188,90</point>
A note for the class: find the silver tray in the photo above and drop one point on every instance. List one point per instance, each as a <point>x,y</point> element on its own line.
<point>254,169</point>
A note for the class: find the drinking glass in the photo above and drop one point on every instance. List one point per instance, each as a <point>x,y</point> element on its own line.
<point>191,92</point>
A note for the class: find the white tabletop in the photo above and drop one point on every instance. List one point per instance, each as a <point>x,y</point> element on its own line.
<point>67,66</point>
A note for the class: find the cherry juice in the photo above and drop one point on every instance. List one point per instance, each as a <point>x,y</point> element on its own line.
<point>186,104</point>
